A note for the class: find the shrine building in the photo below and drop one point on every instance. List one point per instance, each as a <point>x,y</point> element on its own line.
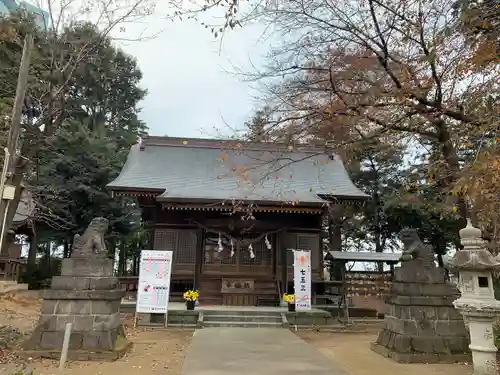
<point>232,211</point>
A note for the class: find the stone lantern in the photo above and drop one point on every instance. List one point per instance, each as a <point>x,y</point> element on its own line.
<point>475,265</point>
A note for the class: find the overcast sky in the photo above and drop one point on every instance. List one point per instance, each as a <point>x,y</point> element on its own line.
<point>190,91</point>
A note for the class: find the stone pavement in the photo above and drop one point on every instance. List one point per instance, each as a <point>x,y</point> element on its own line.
<point>252,351</point>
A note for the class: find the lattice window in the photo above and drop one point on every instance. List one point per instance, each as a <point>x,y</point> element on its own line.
<point>212,255</point>
<point>245,256</point>
<point>186,247</point>
<point>165,239</point>
<point>262,255</point>
<point>181,241</point>
<point>299,241</point>
<point>287,241</point>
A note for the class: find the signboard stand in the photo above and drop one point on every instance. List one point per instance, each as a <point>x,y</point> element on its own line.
<point>153,289</point>
<point>302,279</point>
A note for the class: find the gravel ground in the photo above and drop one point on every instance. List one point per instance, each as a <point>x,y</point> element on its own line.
<point>352,352</point>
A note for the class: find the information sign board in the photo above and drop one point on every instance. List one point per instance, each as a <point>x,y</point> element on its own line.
<point>154,281</point>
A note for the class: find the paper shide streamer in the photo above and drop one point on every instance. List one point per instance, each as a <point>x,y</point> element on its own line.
<point>250,250</point>
<point>219,244</point>
<point>268,244</point>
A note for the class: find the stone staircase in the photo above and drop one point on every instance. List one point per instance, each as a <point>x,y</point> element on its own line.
<point>247,319</point>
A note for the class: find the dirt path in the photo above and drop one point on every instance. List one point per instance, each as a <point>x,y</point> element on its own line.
<point>352,352</point>
<point>20,309</point>
<point>153,351</point>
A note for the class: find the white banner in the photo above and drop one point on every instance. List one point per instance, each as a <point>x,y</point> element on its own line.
<point>154,281</point>
<point>302,279</point>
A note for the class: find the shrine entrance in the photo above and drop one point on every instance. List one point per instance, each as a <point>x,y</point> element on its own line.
<point>237,272</point>
<point>237,257</point>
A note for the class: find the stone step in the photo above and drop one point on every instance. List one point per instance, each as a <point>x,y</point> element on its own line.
<point>181,325</point>
<point>243,324</point>
<point>242,318</point>
<point>253,313</point>
<point>268,301</point>
<point>211,300</point>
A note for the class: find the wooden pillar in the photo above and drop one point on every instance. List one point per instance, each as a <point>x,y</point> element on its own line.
<point>334,214</point>
<point>200,247</point>
<point>284,269</point>
<point>275,251</point>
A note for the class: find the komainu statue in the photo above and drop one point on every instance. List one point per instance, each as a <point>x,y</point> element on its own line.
<point>416,249</point>
<point>91,242</point>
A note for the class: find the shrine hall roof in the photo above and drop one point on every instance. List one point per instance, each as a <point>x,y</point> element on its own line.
<point>182,169</point>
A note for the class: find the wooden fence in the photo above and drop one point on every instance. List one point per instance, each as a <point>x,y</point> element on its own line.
<point>11,269</point>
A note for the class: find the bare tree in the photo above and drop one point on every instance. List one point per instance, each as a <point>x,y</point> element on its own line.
<point>360,69</point>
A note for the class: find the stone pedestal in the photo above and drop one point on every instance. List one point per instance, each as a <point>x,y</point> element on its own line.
<point>477,302</point>
<point>484,351</point>
<point>86,295</point>
<point>421,325</point>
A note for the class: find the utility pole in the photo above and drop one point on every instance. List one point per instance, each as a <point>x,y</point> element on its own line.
<point>10,193</point>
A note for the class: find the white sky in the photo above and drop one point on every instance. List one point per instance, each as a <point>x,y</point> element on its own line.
<point>186,72</point>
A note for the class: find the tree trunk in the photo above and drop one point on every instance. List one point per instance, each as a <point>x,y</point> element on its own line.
<point>66,253</point>
<point>16,181</point>
<point>335,235</point>
<point>379,249</point>
<point>122,258</point>
<point>450,155</point>
<point>135,265</point>
<point>32,252</point>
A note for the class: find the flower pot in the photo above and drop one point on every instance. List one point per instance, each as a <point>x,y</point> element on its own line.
<point>190,305</point>
<point>291,307</point>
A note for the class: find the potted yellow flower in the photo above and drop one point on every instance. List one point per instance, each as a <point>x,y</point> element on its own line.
<point>290,299</point>
<point>191,296</point>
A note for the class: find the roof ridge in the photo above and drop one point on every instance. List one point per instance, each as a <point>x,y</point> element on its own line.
<point>211,143</point>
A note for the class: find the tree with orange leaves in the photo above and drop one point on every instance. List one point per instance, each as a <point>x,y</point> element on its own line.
<point>368,69</point>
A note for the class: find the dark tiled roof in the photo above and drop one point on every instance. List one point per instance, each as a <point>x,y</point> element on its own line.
<point>183,169</point>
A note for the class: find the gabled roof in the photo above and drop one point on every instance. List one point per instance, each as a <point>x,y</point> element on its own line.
<point>182,169</point>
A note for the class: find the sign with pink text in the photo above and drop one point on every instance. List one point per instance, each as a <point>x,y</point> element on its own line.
<point>154,281</point>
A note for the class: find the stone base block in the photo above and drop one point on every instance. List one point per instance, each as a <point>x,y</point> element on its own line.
<point>421,275</point>
<point>94,267</point>
<point>425,327</point>
<point>308,318</point>
<point>79,355</point>
<point>80,323</point>
<point>410,289</point>
<point>97,331</point>
<point>83,296</point>
<point>84,283</point>
<point>401,345</point>
<point>83,345</point>
<point>420,357</point>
